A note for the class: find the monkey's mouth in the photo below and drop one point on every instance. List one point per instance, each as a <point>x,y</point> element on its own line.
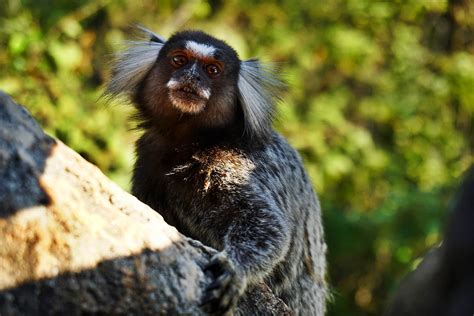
<point>190,93</point>
<point>189,99</point>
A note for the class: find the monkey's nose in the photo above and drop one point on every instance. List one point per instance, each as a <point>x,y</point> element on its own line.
<point>194,73</point>
<point>192,77</point>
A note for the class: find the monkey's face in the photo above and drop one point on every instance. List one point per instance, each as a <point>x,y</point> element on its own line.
<point>194,80</point>
<point>194,73</point>
<point>197,76</point>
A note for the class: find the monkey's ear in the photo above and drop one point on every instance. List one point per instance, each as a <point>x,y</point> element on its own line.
<point>130,66</point>
<point>152,36</point>
<point>258,86</point>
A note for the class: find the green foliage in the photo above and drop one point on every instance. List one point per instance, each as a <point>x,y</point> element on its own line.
<point>380,105</point>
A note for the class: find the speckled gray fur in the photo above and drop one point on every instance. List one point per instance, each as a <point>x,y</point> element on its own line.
<point>255,205</point>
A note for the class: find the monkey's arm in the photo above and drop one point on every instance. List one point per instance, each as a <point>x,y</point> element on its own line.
<point>254,243</point>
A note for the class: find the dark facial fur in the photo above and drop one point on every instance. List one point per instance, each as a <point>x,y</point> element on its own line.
<point>210,163</point>
<point>181,87</point>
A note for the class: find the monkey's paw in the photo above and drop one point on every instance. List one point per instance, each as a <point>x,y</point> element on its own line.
<point>222,294</point>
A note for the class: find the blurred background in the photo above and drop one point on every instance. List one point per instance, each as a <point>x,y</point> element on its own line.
<point>380,104</point>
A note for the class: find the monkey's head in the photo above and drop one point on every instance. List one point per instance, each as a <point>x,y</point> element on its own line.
<point>194,77</point>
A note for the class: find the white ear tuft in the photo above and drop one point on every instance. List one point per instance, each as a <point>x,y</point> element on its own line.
<point>258,87</point>
<point>131,65</point>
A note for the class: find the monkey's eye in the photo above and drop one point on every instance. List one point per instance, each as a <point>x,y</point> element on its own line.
<point>213,70</point>
<point>179,60</point>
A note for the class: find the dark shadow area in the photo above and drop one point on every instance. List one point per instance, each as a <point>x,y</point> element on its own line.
<point>24,148</point>
<point>443,283</point>
<point>459,245</point>
<point>143,284</point>
<point>133,285</point>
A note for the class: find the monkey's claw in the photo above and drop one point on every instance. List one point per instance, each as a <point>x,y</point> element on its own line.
<point>221,295</point>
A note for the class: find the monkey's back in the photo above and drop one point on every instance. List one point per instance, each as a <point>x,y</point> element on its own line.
<point>200,192</point>
<point>299,279</point>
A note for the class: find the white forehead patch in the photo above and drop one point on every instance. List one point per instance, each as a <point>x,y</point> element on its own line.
<point>201,50</point>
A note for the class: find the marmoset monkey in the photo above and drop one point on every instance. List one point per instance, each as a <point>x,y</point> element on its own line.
<point>210,163</point>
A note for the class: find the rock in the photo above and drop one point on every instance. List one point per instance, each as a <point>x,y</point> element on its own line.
<point>72,242</point>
